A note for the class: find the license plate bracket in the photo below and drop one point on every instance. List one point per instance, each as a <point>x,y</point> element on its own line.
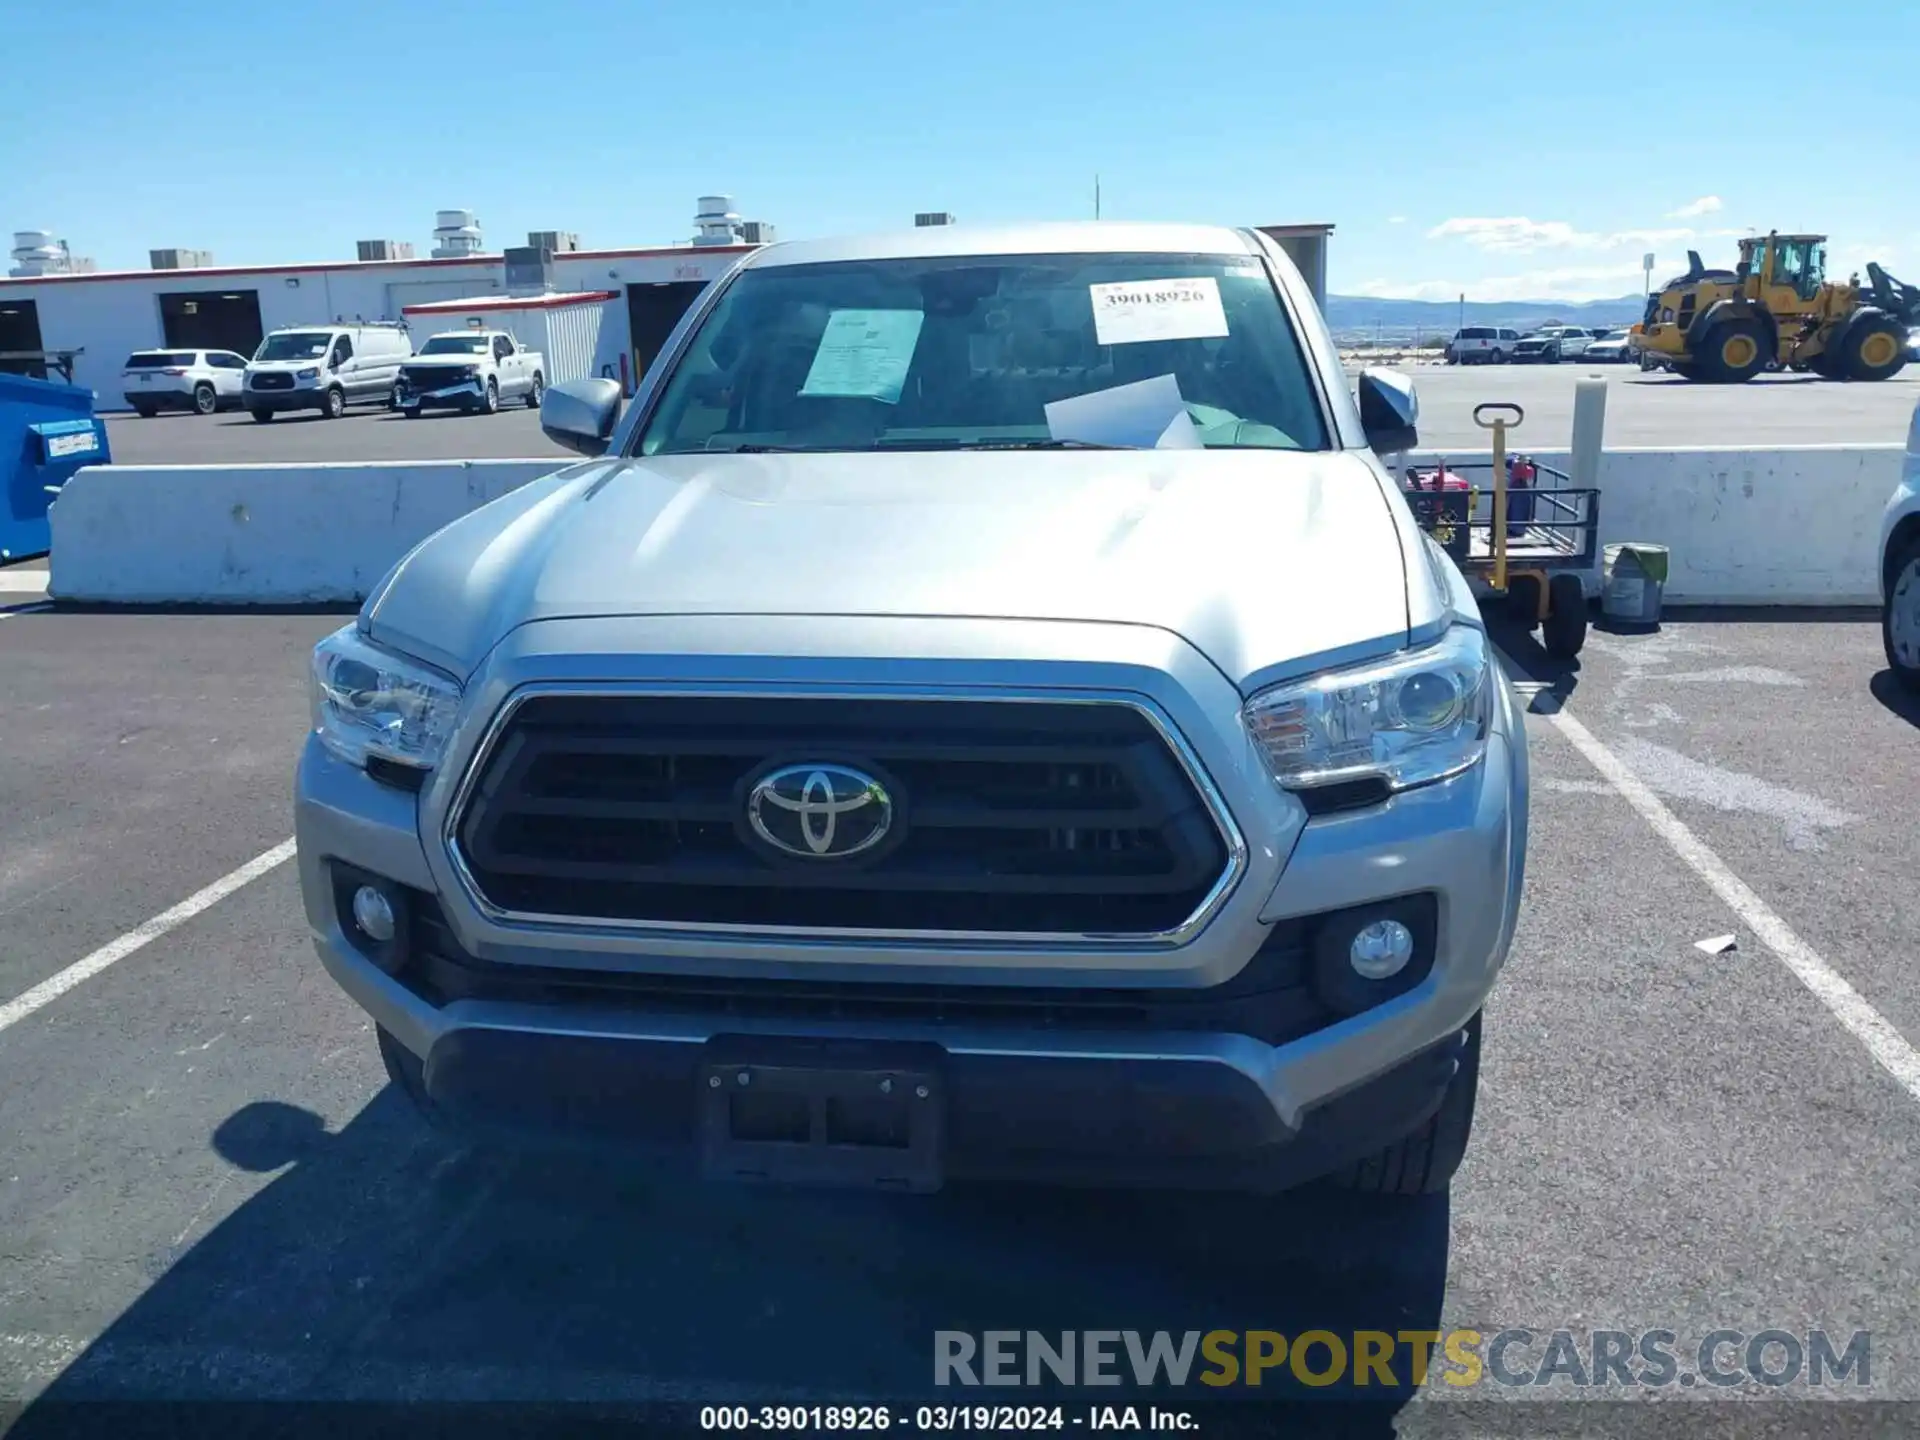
<point>803,1124</point>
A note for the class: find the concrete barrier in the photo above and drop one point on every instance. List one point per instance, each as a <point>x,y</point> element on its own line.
<point>1785,526</point>
<point>1790,525</point>
<point>257,534</point>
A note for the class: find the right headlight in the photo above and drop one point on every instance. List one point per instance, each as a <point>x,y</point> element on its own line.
<point>370,702</point>
<point>1414,718</point>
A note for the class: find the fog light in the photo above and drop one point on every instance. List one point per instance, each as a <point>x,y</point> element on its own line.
<point>373,913</point>
<point>1379,951</point>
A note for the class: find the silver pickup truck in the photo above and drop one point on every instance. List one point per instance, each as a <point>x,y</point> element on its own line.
<point>475,370</point>
<point>983,710</point>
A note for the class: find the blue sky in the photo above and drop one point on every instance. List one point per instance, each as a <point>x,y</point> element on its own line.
<point>1513,150</point>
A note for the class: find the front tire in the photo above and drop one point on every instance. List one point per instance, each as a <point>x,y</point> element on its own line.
<point>336,404</point>
<point>536,391</point>
<point>205,402</point>
<point>145,412</point>
<point>408,1075</point>
<point>1496,357</point>
<point>491,405</point>
<point>1875,349</point>
<point>1424,1162</point>
<point>412,412</point>
<point>1900,619</point>
<point>261,416</point>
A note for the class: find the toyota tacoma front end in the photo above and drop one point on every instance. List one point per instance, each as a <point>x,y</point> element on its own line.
<point>872,770</point>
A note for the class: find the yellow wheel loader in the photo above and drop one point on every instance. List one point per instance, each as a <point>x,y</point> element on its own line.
<point>1777,310</point>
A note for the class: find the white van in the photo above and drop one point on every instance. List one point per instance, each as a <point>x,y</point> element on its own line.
<point>325,368</point>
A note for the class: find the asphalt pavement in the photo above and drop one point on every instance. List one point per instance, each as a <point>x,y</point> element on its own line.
<point>207,1189</point>
<point>1642,409</point>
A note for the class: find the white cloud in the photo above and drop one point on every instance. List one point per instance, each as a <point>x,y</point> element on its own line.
<point>1513,233</point>
<point>1705,205</point>
<point>1593,282</point>
<point>1396,219</point>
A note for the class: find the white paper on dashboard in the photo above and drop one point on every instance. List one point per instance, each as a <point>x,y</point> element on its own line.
<point>865,353</point>
<point>1146,415</point>
<point>1133,311</point>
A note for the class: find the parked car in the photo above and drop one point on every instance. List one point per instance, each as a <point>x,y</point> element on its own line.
<point>762,791</point>
<point>1551,344</point>
<point>1900,568</point>
<point>1612,347</point>
<point>469,370</point>
<point>325,368</point>
<point>202,381</point>
<point>1481,345</point>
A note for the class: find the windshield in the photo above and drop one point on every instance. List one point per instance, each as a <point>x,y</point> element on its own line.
<point>455,345</point>
<point>965,352</point>
<point>295,345</point>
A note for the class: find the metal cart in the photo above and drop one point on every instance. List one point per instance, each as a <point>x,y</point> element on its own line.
<point>1529,546</point>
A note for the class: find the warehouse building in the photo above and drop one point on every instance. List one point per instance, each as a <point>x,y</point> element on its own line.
<point>609,311</point>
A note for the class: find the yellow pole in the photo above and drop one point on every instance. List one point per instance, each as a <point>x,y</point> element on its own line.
<point>1498,425</point>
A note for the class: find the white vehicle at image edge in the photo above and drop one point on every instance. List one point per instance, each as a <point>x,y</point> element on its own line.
<point>325,368</point>
<point>470,370</point>
<point>985,709</point>
<point>1900,568</point>
<point>202,381</point>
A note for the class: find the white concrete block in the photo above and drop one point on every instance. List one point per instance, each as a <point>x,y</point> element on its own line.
<point>257,534</point>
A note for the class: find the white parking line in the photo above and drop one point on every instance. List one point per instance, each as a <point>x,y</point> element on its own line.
<point>13,610</point>
<point>1886,1044</point>
<point>85,968</point>
<point>25,582</point>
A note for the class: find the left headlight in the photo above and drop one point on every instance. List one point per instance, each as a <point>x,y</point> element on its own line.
<point>369,702</point>
<point>1409,720</point>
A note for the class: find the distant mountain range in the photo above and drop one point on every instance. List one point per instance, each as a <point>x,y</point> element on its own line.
<point>1442,317</point>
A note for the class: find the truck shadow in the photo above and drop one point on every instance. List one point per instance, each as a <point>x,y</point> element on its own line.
<point>383,1264</point>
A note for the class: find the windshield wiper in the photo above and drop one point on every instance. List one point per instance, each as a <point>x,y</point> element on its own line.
<point>1049,444</point>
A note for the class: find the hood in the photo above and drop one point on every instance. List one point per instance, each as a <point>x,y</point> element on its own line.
<point>1257,558</point>
<point>286,364</point>
<point>447,362</point>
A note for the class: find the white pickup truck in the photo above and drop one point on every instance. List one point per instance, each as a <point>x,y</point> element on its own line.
<point>469,370</point>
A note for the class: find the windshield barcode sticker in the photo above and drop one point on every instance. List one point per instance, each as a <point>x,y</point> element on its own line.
<point>1133,311</point>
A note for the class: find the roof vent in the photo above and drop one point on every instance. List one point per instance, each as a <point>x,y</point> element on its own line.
<point>384,249</point>
<point>715,223</point>
<point>932,217</point>
<point>554,242</point>
<point>456,235</point>
<point>180,259</point>
<point>36,252</point>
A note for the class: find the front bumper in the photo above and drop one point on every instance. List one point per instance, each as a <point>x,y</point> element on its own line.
<point>461,395</point>
<point>311,397</point>
<point>1211,1107</point>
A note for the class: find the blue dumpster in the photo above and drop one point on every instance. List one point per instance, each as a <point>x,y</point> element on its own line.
<point>47,431</point>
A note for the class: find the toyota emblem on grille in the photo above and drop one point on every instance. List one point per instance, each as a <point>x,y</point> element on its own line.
<point>820,811</point>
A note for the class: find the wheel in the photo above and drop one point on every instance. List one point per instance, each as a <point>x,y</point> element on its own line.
<point>1424,1162</point>
<point>1523,600</point>
<point>1684,369</point>
<point>205,402</point>
<point>491,405</point>
<point>537,390</point>
<point>336,404</point>
<point>1733,352</point>
<point>1822,365</point>
<point>1496,357</point>
<point>145,412</point>
<point>263,416</point>
<point>1875,348</point>
<point>1900,618</point>
<point>412,412</point>
<point>1564,630</point>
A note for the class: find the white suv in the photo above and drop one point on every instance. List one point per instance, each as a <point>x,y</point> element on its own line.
<point>199,380</point>
<point>1482,345</point>
<point>325,368</point>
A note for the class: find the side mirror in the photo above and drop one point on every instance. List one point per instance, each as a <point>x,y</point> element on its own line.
<point>581,414</point>
<point>1389,410</point>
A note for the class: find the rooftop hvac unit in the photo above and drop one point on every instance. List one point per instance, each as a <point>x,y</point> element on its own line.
<point>529,270</point>
<point>715,222</point>
<point>756,232</point>
<point>932,217</point>
<point>456,235</point>
<point>384,249</point>
<point>36,252</point>
<point>557,242</point>
<point>180,259</point>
